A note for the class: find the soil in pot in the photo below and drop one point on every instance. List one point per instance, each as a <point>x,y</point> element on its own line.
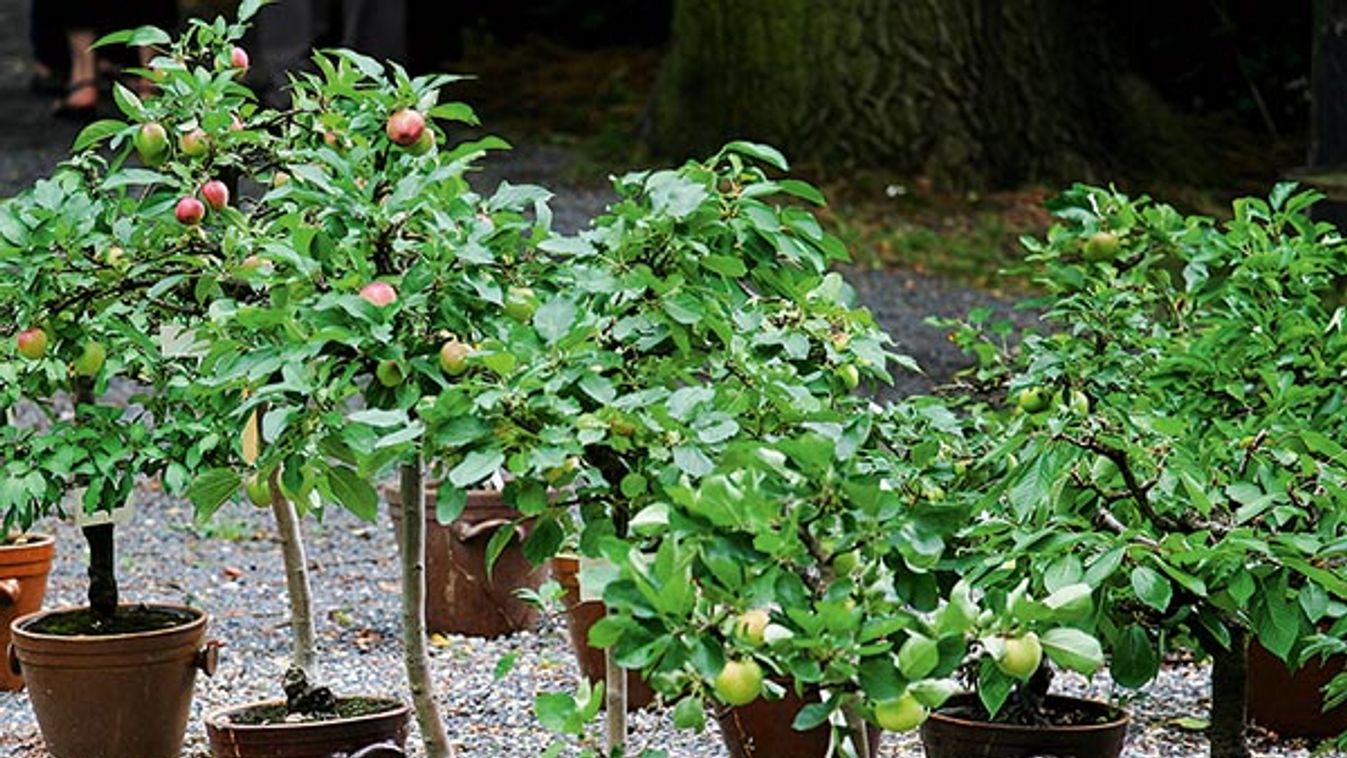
<point>460,597</point>
<point>762,729</point>
<point>1292,703</point>
<point>1075,728</point>
<point>580,616</point>
<point>119,690</point>
<point>260,730</point>
<point>25,561</point>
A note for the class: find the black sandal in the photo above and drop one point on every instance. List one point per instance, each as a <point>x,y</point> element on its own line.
<point>80,113</point>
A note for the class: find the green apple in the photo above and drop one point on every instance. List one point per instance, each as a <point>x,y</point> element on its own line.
<point>454,357</point>
<point>1102,246</point>
<point>32,343</point>
<point>151,142</point>
<point>90,360</point>
<point>389,373</point>
<point>901,714</point>
<point>851,376</point>
<point>259,491</point>
<point>752,625</point>
<point>520,303</point>
<point>739,683</point>
<point>423,144</point>
<point>1021,656</point>
<point>195,143</point>
<point>1033,400</point>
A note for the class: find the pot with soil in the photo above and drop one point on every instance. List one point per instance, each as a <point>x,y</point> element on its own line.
<point>116,687</point>
<point>261,730</point>
<point>1292,703</point>
<point>580,616</point>
<point>460,596</point>
<point>1076,729</point>
<point>762,729</point>
<point>25,561</point>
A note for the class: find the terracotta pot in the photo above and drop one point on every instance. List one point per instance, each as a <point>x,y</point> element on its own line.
<point>460,599</point>
<point>113,696</point>
<point>946,735</point>
<point>762,729</point>
<point>579,618</point>
<point>1292,704</point>
<point>23,582</point>
<point>314,739</point>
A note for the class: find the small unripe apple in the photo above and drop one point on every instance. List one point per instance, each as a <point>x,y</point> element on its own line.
<point>739,683</point>
<point>115,257</point>
<point>190,211</point>
<point>389,373</point>
<point>404,127</point>
<point>238,58</point>
<point>259,492</point>
<point>752,625</point>
<point>1101,246</point>
<point>280,179</point>
<point>90,360</point>
<point>1033,400</point>
<point>32,343</point>
<point>195,143</point>
<point>520,303</point>
<point>1021,656</point>
<point>235,124</point>
<point>423,144</point>
<point>152,143</point>
<point>901,714</point>
<point>556,474</point>
<point>378,294</point>
<point>454,357</point>
<point>331,139</point>
<point>216,193</point>
<point>850,375</point>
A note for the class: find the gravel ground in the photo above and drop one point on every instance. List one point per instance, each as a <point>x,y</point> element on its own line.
<point>232,567</point>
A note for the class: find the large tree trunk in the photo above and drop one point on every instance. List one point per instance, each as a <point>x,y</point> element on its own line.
<point>966,92</point>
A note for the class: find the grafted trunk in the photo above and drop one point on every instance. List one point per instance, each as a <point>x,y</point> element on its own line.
<point>102,570</point>
<point>1229,696</point>
<point>968,92</point>
<point>302,631</point>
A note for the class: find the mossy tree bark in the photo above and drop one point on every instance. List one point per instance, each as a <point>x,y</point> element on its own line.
<point>970,93</point>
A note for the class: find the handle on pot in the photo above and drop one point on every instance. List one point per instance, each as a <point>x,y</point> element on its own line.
<point>208,658</point>
<point>12,656</point>
<point>467,533</point>
<point>10,590</point>
<point>378,750</point>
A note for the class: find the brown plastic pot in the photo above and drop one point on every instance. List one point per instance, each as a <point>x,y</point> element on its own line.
<point>1292,703</point>
<point>113,696</point>
<point>762,729</point>
<point>312,739</point>
<point>579,618</point>
<point>23,583</point>
<point>945,735</point>
<point>460,599</point>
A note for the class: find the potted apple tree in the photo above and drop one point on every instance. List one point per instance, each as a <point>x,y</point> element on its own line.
<point>107,269</point>
<point>1175,437</point>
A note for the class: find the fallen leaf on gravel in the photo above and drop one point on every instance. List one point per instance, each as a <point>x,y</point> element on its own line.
<point>1189,723</point>
<point>233,572</point>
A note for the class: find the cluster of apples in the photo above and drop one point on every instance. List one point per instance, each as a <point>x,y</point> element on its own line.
<point>453,355</point>
<point>32,344</point>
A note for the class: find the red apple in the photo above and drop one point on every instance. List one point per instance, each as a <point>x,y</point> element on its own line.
<point>216,194</point>
<point>195,143</point>
<point>190,211</point>
<point>239,57</point>
<point>405,126</point>
<point>379,294</point>
<point>32,343</point>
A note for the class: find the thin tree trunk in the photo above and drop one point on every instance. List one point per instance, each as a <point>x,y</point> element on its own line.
<point>858,731</point>
<point>413,535</point>
<point>615,702</point>
<point>296,581</point>
<point>1229,693</point>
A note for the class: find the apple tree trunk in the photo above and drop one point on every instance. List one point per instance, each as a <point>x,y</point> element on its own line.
<point>1229,697</point>
<point>970,93</point>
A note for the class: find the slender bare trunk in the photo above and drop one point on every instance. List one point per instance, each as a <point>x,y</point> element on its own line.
<point>857,731</point>
<point>615,701</point>
<point>102,548</point>
<point>413,534</point>
<point>1229,693</point>
<point>296,581</point>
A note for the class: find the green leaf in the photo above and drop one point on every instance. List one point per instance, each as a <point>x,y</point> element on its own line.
<point>1073,649</point>
<point>353,492</point>
<point>1152,588</point>
<point>1135,659</point>
<point>690,713</point>
<point>813,715</point>
<point>994,686</point>
<point>377,417</point>
<point>210,489</point>
<point>460,112</point>
<point>249,8</point>
<point>449,503</point>
<point>554,319</point>
<point>918,656</point>
<point>505,665</point>
<point>476,466</point>
<point>765,153</point>
<point>134,176</point>
<point>138,37</point>
<point>97,132</point>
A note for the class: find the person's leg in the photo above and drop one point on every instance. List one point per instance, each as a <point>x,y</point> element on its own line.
<point>377,28</point>
<point>82,92</point>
